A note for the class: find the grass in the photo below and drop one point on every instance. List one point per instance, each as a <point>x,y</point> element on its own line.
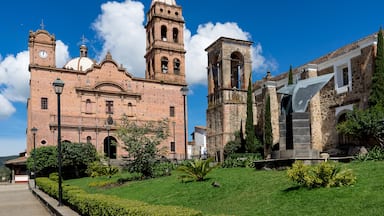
<point>245,191</point>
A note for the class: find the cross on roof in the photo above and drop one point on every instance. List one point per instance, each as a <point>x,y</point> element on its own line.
<point>83,39</point>
<point>42,24</point>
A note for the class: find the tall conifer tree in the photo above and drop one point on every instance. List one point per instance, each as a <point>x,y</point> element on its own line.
<point>290,76</point>
<point>377,92</point>
<point>250,139</point>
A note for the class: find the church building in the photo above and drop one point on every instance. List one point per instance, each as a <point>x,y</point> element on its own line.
<point>95,92</point>
<point>229,68</point>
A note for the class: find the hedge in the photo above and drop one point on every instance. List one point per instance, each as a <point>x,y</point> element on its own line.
<point>101,204</point>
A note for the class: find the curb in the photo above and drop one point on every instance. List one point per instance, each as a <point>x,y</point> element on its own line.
<point>50,203</point>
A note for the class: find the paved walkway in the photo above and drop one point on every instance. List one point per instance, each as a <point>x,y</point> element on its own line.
<point>17,199</point>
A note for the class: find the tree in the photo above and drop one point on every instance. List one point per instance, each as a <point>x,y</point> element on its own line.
<point>363,124</point>
<point>252,144</point>
<point>141,141</point>
<point>268,136</point>
<point>234,146</point>
<point>377,91</point>
<point>76,157</point>
<point>290,76</point>
<point>46,160</point>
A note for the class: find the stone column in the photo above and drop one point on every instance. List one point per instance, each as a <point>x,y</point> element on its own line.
<point>315,110</point>
<point>301,135</point>
<point>271,91</point>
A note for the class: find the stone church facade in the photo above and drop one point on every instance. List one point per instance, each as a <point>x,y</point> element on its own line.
<point>352,67</point>
<point>95,91</point>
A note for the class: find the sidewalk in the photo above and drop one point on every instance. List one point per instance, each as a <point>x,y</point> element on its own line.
<point>17,199</point>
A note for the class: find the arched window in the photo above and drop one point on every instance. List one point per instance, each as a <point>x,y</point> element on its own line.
<point>237,74</point>
<point>149,68</point>
<point>89,139</point>
<point>175,35</point>
<point>164,33</point>
<point>176,66</point>
<point>88,106</point>
<point>130,109</point>
<point>164,64</point>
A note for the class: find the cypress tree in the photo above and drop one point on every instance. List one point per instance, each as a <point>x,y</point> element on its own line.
<point>250,139</point>
<point>290,76</point>
<point>377,91</point>
<point>268,136</point>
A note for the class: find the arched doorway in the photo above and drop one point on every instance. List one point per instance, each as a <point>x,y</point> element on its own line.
<point>342,138</point>
<point>112,147</point>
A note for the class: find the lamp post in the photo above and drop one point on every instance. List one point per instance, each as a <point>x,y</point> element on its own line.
<point>184,91</point>
<point>58,85</point>
<point>34,131</point>
<point>109,123</point>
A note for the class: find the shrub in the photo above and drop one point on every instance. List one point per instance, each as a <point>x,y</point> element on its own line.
<point>54,176</point>
<point>96,168</point>
<point>325,174</point>
<point>130,177</point>
<point>241,160</point>
<point>100,204</point>
<point>196,169</point>
<point>376,153</point>
<point>163,168</point>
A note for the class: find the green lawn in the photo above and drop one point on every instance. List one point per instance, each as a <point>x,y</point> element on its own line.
<point>245,191</point>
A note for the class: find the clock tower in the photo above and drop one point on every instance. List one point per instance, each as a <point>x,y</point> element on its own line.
<point>42,48</point>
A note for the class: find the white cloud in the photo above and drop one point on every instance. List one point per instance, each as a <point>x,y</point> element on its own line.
<point>7,109</point>
<point>14,77</point>
<point>121,27</point>
<point>62,54</point>
<point>196,57</point>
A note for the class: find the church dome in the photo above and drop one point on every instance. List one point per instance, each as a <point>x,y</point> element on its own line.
<point>168,2</point>
<point>80,64</point>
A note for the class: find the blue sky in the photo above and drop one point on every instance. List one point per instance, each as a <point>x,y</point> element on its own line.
<point>284,32</point>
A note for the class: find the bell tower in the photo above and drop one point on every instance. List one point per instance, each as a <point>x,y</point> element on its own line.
<point>42,48</point>
<point>165,53</point>
<point>229,71</point>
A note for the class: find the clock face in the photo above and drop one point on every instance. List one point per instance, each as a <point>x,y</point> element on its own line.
<point>43,54</point>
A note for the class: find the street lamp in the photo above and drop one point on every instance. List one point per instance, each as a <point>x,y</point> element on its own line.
<point>109,124</point>
<point>184,91</point>
<point>58,85</point>
<point>34,131</point>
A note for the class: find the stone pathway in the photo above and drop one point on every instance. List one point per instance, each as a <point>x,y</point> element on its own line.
<point>17,199</point>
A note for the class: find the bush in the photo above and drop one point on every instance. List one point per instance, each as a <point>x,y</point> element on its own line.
<point>96,168</point>
<point>241,160</point>
<point>196,169</point>
<point>325,174</point>
<point>130,177</point>
<point>54,176</point>
<point>376,154</point>
<point>163,168</point>
<point>100,204</point>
